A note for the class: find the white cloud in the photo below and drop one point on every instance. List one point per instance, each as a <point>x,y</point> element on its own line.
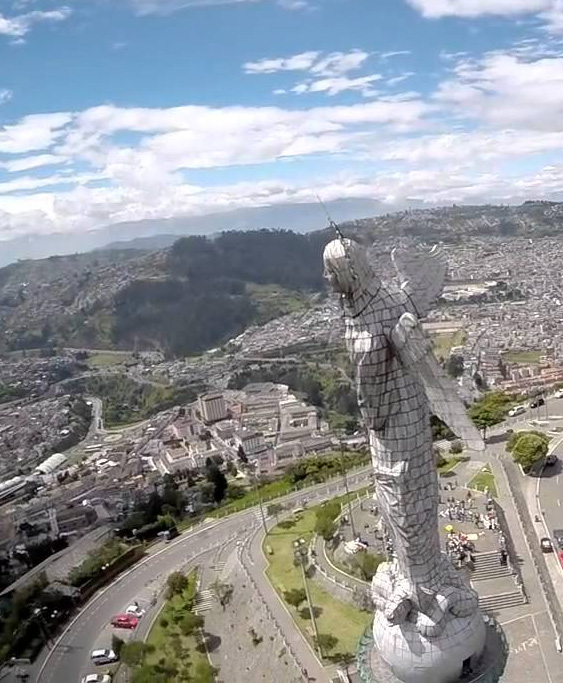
<point>505,89</point>
<point>5,95</point>
<point>436,9</point>
<point>550,11</point>
<point>337,85</point>
<point>20,25</point>
<point>32,133</point>
<point>295,5</point>
<point>29,163</point>
<point>339,63</point>
<point>300,62</point>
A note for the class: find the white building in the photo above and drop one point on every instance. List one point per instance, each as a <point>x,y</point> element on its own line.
<point>212,407</point>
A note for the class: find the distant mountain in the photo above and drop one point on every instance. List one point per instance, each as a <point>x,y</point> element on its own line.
<point>202,291</point>
<point>296,217</point>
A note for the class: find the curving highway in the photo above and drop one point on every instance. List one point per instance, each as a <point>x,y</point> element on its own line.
<point>69,658</point>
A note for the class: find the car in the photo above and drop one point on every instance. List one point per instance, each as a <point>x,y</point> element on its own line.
<point>100,657</point>
<point>97,678</point>
<point>551,459</point>
<point>125,621</point>
<point>537,403</point>
<point>560,556</point>
<point>558,536</point>
<point>517,410</point>
<point>546,545</point>
<point>135,611</point>
<point>558,394</point>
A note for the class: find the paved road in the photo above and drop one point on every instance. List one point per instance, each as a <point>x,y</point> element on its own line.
<point>69,659</point>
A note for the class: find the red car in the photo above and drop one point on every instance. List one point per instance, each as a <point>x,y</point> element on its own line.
<point>560,554</point>
<point>125,621</point>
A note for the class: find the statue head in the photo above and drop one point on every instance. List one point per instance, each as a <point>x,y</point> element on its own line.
<point>346,267</point>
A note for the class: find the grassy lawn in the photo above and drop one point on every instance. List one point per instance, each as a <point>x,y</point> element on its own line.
<point>485,478</point>
<point>444,343</point>
<point>106,359</point>
<point>524,357</point>
<point>167,639</point>
<point>342,620</point>
<point>449,465</point>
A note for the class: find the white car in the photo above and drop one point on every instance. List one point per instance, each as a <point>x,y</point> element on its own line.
<point>104,657</point>
<point>135,610</point>
<point>559,394</point>
<point>97,678</point>
<point>517,410</point>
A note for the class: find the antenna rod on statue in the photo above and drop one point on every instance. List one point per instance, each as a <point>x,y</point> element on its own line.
<point>331,223</point>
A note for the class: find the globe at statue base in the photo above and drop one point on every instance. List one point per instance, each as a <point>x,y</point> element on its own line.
<point>415,659</point>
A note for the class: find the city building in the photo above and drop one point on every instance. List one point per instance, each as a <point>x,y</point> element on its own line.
<point>212,407</point>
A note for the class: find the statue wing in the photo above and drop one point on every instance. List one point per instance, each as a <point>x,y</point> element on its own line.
<point>421,276</point>
<point>414,349</point>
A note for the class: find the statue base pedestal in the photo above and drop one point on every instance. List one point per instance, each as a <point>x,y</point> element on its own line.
<point>440,660</point>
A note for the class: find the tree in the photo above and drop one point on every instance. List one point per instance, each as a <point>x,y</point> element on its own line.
<point>362,598</point>
<point>528,450</point>
<point>274,510</point>
<point>345,660</point>
<point>117,644</point>
<point>454,365</point>
<point>326,642</point>
<point>224,592</point>
<point>491,409</point>
<point>204,673</point>
<point>456,448</point>
<point>326,527</point>
<point>367,564</point>
<point>190,623</point>
<point>219,481</point>
<point>177,582</point>
<point>295,597</point>
<point>134,652</point>
<point>242,455</point>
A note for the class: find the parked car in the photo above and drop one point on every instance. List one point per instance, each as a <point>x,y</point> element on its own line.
<point>100,657</point>
<point>537,403</point>
<point>125,621</point>
<point>546,545</point>
<point>517,410</point>
<point>560,556</point>
<point>97,678</point>
<point>558,536</point>
<point>559,393</point>
<point>135,611</point>
<point>551,459</point>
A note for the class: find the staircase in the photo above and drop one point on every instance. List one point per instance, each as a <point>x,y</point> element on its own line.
<point>204,601</point>
<point>487,566</point>
<point>493,603</point>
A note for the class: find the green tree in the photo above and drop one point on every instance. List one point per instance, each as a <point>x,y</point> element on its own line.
<point>295,597</point>
<point>326,641</point>
<point>274,510</point>
<point>457,447</point>
<point>204,673</point>
<point>219,481</point>
<point>177,582</point>
<point>190,623</point>
<point>491,409</point>
<point>367,564</point>
<point>134,652</point>
<point>117,644</point>
<point>528,450</point>
<point>326,527</point>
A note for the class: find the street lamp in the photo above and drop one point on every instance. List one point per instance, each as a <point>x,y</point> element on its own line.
<point>301,557</point>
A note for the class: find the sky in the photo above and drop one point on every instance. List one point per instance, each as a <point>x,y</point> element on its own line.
<point>119,110</point>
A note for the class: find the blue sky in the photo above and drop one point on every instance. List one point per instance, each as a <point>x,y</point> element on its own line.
<point>115,110</point>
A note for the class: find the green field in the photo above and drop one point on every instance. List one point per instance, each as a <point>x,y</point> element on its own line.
<point>524,357</point>
<point>342,620</point>
<point>485,478</point>
<point>107,359</point>
<point>449,465</point>
<point>444,343</point>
